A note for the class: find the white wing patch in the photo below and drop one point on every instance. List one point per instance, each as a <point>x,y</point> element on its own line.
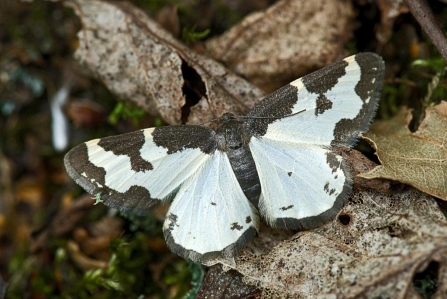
<point>306,126</point>
<point>210,213</point>
<point>169,170</point>
<point>296,180</point>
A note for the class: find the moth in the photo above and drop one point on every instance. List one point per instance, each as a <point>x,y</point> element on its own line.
<point>275,163</point>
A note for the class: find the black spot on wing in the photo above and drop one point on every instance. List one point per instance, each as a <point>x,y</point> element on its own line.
<point>178,138</point>
<point>289,173</point>
<point>276,105</point>
<point>173,221</point>
<point>323,104</point>
<point>326,78</point>
<point>92,178</point>
<point>286,208</point>
<point>213,203</point>
<point>248,219</point>
<point>347,131</point>
<point>329,191</point>
<point>236,225</point>
<point>333,161</point>
<point>129,145</point>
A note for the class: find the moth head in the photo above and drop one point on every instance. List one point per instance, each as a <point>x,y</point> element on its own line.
<point>228,116</point>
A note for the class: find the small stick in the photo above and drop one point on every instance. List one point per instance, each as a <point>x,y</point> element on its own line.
<point>422,13</point>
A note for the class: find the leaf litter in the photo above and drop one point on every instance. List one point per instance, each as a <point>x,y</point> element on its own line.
<point>373,249</point>
<point>417,159</point>
<point>286,41</point>
<point>141,62</point>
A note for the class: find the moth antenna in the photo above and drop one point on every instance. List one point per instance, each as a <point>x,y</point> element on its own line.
<point>208,121</point>
<point>252,117</point>
<point>272,117</point>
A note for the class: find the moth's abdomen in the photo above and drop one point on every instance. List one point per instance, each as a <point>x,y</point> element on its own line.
<point>244,168</point>
<point>235,144</point>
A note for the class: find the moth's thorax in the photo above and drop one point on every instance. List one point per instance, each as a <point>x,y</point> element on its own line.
<point>230,133</point>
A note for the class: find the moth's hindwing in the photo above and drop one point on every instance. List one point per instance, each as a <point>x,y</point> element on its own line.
<point>136,171</point>
<point>303,183</point>
<point>210,217</point>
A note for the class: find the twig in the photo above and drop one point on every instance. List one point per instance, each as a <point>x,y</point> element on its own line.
<point>425,18</point>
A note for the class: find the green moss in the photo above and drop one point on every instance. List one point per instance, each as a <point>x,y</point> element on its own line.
<point>189,36</point>
<point>126,110</point>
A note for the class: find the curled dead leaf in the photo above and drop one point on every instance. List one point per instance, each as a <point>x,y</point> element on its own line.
<point>286,41</point>
<point>358,164</point>
<point>418,159</point>
<point>139,61</point>
<point>85,113</point>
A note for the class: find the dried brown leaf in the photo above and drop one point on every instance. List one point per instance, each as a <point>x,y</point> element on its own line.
<point>85,113</point>
<point>286,41</point>
<point>139,61</point>
<point>372,250</point>
<point>359,164</point>
<point>418,159</point>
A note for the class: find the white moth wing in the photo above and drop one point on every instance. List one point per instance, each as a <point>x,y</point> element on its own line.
<point>303,183</point>
<point>319,112</point>
<point>133,172</point>
<point>210,217</point>
<point>169,172</point>
<point>299,190</point>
